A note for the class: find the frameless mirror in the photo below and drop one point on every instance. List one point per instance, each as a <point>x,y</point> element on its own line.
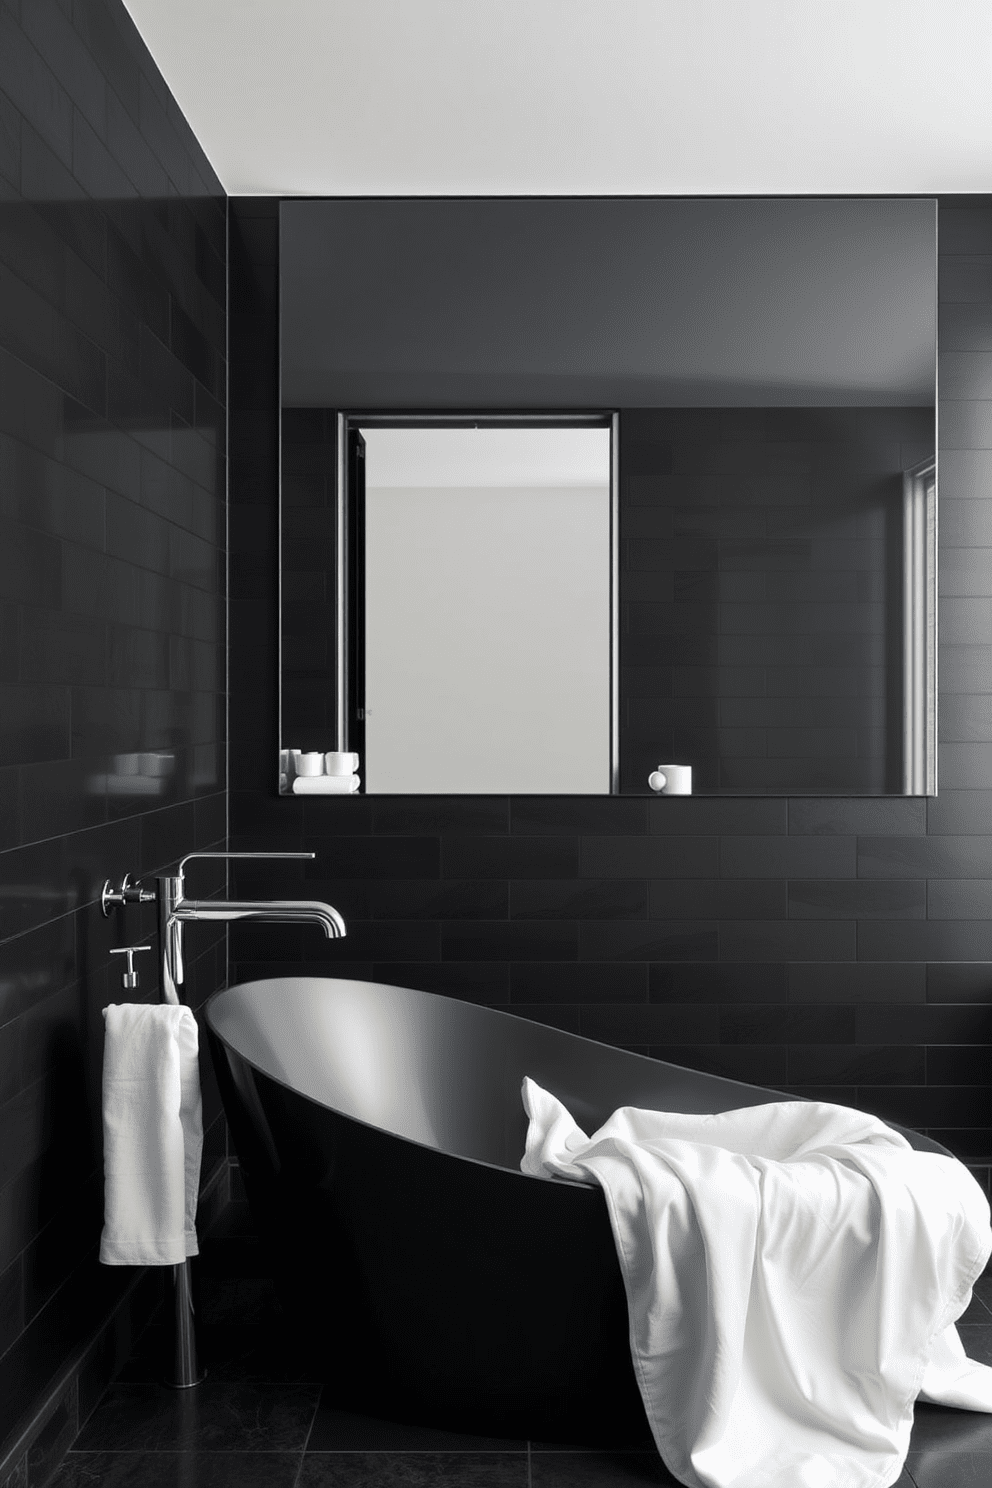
<point>747,586</point>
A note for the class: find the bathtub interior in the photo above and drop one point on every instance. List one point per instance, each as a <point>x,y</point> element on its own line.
<point>444,1073</point>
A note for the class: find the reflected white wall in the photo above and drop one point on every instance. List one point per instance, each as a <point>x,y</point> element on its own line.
<point>488,611</point>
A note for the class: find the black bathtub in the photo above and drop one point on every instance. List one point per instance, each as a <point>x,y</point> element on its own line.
<point>380,1132</point>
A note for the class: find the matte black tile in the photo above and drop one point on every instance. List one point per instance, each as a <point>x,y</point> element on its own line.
<point>648,857</point>
<point>754,1064</point>
<point>158,1469</point>
<point>959,899</point>
<point>825,817</point>
<point>718,899</point>
<point>578,899</point>
<point>916,940</point>
<point>698,816</point>
<point>509,857</point>
<point>817,1064</point>
<point>959,982</point>
<point>219,1417</point>
<point>654,940</point>
<point>923,1025</point>
<point>773,1024</point>
<point>668,1024</point>
<point>413,1470</point>
<point>792,940</point>
<point>787,857</point>
<point>718,982</point>
<point>857,981</point>
<point>519,940</point>
<point>425,816</point>
<point>957,1064</point>
<point>900,899</point>
<point>404,899</point>
<point>378,857</point>
<point>534,816</point>
<point>579,982</point>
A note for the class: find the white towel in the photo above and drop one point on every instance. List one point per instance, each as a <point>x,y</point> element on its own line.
<point>326,785</point>
<point>793,1274</point>
<point>152,1134</point>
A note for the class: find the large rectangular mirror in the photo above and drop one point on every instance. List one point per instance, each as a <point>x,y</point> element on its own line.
<point>752,591</point>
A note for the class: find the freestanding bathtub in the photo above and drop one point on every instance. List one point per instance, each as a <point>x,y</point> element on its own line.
<point>380,1132</point>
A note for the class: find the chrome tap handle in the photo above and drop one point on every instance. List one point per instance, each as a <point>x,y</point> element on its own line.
<point>129,979</point>
<point>128,893</point>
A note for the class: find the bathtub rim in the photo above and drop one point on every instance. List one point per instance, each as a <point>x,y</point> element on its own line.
<point>393,987</point>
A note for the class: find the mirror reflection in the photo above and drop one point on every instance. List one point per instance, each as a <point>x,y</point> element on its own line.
<point>766,585</point>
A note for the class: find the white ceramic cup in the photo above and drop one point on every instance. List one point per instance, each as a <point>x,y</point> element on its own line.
<point>671,780</point>
<point>310,763</point>
<point>341,762</point>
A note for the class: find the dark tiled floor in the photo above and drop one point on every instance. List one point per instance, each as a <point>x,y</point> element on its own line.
<point>262,1419</point>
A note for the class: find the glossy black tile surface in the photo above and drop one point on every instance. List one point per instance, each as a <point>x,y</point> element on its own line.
<point>112,625</point>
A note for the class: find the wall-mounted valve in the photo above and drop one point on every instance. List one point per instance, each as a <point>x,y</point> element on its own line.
<point>129,979</point>
<point>128,893</point>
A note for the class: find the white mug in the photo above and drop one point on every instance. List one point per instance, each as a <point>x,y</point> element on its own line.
<point>310,763</point>
<point>341,762</point>
<point>671,780</point>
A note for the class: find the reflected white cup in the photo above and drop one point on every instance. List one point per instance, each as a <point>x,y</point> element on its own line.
<point>341,762</point>
<point>309,763</point>
<point>671,780</point>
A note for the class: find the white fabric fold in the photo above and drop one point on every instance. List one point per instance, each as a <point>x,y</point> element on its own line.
<point>152,1134</point>
<point>326,785</point>
<point>793,1274</point>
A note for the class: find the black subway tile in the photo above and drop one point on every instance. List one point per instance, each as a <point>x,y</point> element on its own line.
<point>718,982</point>
<point>378,857</point>
<point>717,899</point>
<point>535,816</point>
<point>578,899</point>
<point>699,816</point>
<point>862,899</point>
<point>787,857</point>
<point>923,857</point>
<point>827,817</point>
<point>958,1064</point>
<point>648,857</point>
<point>622,1023</point>
<point>578,982</point>
<point>437,899</point>
<point>506,940</point>
<point>857,981</point>
<point>919,940</point>
<point>879,1023</point>
<point>509,857</point>
<point>959,981</point>
<point>651,940</point>
<point>772,1024</point>
<point>856,1064</point>
<point>753,1064</point>
<point>791,940</point>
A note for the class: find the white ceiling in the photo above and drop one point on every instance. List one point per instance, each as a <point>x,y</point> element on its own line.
<point>585,97</point>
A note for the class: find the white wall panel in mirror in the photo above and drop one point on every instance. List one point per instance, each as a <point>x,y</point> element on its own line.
<point>487,610</point>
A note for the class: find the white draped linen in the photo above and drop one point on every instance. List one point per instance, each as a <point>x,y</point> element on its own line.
<point>793,1274</point>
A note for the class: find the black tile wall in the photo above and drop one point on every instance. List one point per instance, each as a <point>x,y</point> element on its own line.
<point>839,947</point>
<point>113,356</point>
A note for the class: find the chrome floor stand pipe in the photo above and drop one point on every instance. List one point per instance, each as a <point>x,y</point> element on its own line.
<point>186,1370</point>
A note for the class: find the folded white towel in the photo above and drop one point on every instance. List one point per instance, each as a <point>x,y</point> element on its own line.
<point>152,1134</point>
<point>326,785</point>
<point>793,1273</point>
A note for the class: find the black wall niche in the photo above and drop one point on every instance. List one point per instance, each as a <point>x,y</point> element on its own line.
<point>112,625</point>
<point>831,947</point>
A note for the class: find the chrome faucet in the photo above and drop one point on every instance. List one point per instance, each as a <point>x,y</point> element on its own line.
<point>175,910</point>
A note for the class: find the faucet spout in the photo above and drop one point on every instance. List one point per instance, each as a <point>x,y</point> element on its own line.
<point>175,911</point>
<point>265,911</point>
